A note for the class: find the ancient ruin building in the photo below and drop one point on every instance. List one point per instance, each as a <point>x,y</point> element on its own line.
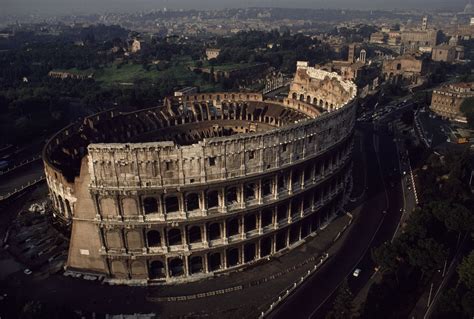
<point>205,184</point>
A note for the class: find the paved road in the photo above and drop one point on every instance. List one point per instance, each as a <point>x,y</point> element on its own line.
<point>311,300</point>
<point>20,176</point>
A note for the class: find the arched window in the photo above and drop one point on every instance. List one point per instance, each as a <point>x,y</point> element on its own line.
<point>156,270</point>
<point>174,237</point>
<point>194,233</point>
<point>150,205</point>
<point>171,204</point>
<point>176,268</point>
<point>192,202</point>
<point>154,238</point>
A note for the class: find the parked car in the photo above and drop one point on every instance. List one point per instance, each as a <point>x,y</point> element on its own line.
<point>356,272</point>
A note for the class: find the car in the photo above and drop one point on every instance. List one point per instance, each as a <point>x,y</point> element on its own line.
<point>356,272</point>
<point>27,271</point>
<point>384,212</point>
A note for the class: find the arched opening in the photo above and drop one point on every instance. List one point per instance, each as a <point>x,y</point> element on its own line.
<point>61,204</point>
<point>150,205</point>
<point>321,103</point>
<point>232,227</point>
<point>302,98</point>
<point>214,261</point>
<point>294,234</point>
<point>156,270</point>
<point>212,199</point>
<point>267,187</point>
<point>265,246</point>
<point>194,233</point>
<point>296,177</point>
<point>214,231</point>
<point>280,240</point>
<point>195,265</point>
<point>305,229</point>
<point>171,204</point>
<point>174,237</point>
<point>294,96</point>
<point>154,238</point>
<point>250,222</point>
<point>315,101</point>
<point>232,256</point>
<point>308,99</point>
<point>307,203</point>
<point>68,208</point>
<point>192,202</point>
<point>231,195</point>
<point>267,217</point>
<point>176,268</point>
<point>249,252</point>
<point>250,191</point>
<point>282,212</point>
<point>282,181</point>
<point>295,207</point>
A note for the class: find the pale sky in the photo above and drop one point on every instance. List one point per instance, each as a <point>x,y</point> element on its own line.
<point>91,6</point>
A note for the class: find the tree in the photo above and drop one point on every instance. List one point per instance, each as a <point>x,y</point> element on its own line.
<point>466,271</point>
<point>427,255</point>
<point>386,256</point>
<point>467,108</point>
<point>342,308</point>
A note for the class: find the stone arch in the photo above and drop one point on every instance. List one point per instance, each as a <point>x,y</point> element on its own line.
<point>196,265</point>
<point>119,269</point>
<point>138,270</point>
<point>192,202</point>
<point>250,222</point>
<point>153,238</point>
<point>194,234</point>
<point>249,252</point>
<point>212,199</point>
<point>302,97</point>
<point>61,205</point>
<point>171,204</point>
<point>308,99</point>
<point>214,261</point>
<point>68,208</point>
<point>176,267</point>
<point>294,96</point>
<point>129,206</point>
<point>156,270</point>
<point>150,205</point>
<point>267,217</point>
<point>265,246</point>
<point>232,227</point>
<point>232,255</point>
<point>174,237</point>
<point>214,231</point>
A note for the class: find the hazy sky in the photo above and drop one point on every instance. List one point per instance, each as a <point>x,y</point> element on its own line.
<point>88,6</point>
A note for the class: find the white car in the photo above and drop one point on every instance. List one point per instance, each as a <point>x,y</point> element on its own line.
<point>356,272</point>
<point>27,271</point>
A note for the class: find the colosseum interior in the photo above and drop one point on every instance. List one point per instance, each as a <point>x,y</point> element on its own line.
<point>206,183</point>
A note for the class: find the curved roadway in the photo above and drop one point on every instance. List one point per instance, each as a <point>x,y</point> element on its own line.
<point>370,230</point>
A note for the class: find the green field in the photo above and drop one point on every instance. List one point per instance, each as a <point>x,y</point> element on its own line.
<point>130,73</point>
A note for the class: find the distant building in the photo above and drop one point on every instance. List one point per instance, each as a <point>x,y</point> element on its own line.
<point>406,69</point>
<point>212,53</point>
<point>351,53</point>
<point>186,91</point>
<point>444,53</point>
<point>446,100</point>
<point>69,75</point>
<point>137,45</point>
<point>414,39</point>
<point>378,38</point>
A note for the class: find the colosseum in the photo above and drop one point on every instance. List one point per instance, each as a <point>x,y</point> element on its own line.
<point>205,184</point>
